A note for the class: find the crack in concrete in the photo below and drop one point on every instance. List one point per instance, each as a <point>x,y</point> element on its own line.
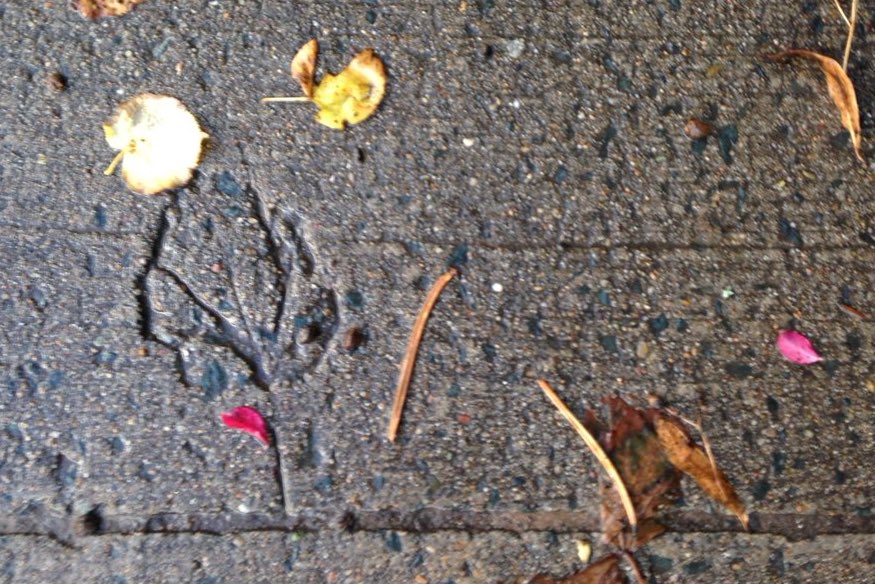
<point>67,529</point>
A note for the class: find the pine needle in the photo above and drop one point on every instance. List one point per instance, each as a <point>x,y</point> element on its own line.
<point>413,349</point>
<point>596,449</point>
<point>852,25</point>
<point>842,12</point>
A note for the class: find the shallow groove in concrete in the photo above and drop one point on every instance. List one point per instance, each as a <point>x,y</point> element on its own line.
<point>792,526</point>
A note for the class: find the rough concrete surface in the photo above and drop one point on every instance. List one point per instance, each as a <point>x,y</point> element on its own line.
<point>539,144</point>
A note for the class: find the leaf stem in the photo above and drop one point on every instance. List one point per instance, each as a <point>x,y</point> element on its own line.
<point>284,99</point>
<point>596,449</point>
<point>115,161</point>
<point>412,350</point>
<point>636,567</point>
<point>282,471</point>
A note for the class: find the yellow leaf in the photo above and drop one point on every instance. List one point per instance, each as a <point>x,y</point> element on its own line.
<point>344,99</point>
<point>841,89</point>
<point>159,142</point>
<point>351,96</point>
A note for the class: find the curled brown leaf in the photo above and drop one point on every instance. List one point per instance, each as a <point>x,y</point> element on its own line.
<point>304,66</point>
<point>695,462</point>
<point>650,478</point>
<point>841,89</point>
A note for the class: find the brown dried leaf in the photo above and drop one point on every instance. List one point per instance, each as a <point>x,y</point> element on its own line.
<point>304,66</point>
<point>841,89</point>
<point>651,480</point>
<point>694,461</point>
<point>605,571</point>
<point>99,8</point>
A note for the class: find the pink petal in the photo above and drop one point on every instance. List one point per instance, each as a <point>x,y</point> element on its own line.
<point>797,348</point>
<point>249,420</point>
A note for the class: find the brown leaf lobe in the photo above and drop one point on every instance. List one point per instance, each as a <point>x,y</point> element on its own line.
<point>304,66</point>
<point>605,571</point>
<point>694,462</point>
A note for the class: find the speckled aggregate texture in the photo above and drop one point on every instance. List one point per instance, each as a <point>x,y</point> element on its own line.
<point>541,147</point>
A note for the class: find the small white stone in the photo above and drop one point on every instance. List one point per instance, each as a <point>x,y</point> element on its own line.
<point>496,287</point>
<point>468,142</point>
<point>515,48</point>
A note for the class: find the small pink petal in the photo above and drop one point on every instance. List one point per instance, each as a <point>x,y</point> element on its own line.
<point>797,348</point>
<point>249,420</point>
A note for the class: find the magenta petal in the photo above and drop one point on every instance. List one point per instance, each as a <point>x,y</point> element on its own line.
<point>797,348</point>
<point>249,420</point>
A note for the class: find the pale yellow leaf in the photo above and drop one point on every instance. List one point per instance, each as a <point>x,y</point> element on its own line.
<point>159,142</point>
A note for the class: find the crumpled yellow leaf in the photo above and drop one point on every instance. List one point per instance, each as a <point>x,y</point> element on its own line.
<point>159,142</point>
<point>351,96</point>
<point>841,89</point>
<point>344,99</point>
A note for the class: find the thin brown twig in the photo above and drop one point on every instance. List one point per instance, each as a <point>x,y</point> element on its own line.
<point>596,449</point>
<point>412,350</point>
<point>852,25</point>
<point>848,309</point>
<point>636,567</point>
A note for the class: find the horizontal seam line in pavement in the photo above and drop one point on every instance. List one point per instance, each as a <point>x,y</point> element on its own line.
<point>792,526</point>
<point>640,246</point>
<point>550,245</point>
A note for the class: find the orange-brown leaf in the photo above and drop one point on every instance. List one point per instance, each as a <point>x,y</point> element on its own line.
<point>304,66</point>
<point>99,8</point>
<point>605,571</point>
<point>841,89</point>
<point>694,462</point>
